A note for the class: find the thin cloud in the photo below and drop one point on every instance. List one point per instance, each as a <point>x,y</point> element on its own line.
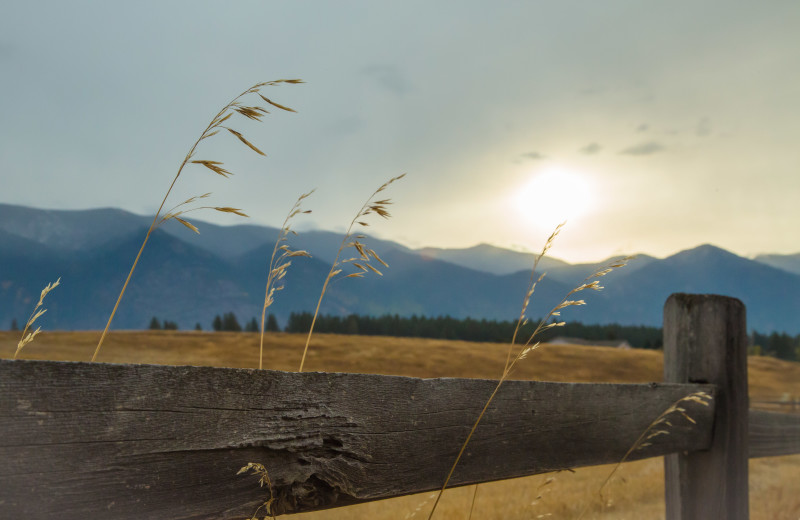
<point>648,148</point>
<point>388,77</point>
<point>644,127</point>
<point>591,149</point>
<point>533,156</point>
<point>703,127</point>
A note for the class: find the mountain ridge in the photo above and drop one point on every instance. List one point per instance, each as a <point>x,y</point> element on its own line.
<point>188,278</point>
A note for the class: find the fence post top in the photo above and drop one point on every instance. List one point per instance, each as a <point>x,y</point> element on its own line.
<point>690,300</point>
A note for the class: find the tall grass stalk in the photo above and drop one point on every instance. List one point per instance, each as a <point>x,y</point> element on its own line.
<point>361,258</point>
<point>278,265</point>
<point>658,427</point>
<point>472,502</point>
<point>591,282</point>
<point>24,340</point>
<point>254,113</point>
<point>263,480</point>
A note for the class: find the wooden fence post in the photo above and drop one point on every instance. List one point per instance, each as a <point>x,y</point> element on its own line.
<point>705,340</point>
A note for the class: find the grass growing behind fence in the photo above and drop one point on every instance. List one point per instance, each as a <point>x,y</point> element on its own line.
<point>360,258</point>
<point>279,263</point>
<point>529,345</point>
<point>235,106</point>
<point>38,311</point>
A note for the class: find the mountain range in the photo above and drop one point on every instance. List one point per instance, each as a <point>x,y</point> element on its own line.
<point>189,278</point>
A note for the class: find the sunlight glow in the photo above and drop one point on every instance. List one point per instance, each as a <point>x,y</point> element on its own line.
<point>553,195</point>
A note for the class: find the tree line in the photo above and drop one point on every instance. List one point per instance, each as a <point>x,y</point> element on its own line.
<point>227,322</point>
<point>468,329</point>
<point>779,345</point>
<point>440,327</point>
<point>776,344</point>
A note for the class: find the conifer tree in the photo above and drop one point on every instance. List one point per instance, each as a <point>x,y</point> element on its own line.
<point>272,324</point>
<point>252,326</point>
<point>230,323</point>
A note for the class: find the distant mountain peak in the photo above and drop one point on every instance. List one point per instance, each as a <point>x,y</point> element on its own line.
<point>710,248</point>
<point>484,246</point>
<point>705,250</point>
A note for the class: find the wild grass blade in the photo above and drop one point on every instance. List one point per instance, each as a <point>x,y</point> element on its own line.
<point>590,282</point>
<point>522,320</point>
<point>37,312</point>
<point>212,129</point>
<point>650,432</point>
<point>472,503</point>
<point>278,265</point>
<point>263,480</point>
<point>363,254</point>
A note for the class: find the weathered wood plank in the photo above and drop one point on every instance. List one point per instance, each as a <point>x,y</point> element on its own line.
<point>773,434</point>
<point>164,442</point>
<point>705,340</point>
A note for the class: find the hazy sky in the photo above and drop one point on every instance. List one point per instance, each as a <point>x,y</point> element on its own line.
<point>651,126</point>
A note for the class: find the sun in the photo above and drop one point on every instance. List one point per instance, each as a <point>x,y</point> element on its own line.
<point>553,195</point>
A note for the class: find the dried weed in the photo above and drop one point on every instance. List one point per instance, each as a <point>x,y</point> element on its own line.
<point>654,429</point>
<point>591,282</point>
<point>263,480</point>
<point>235,106</point>
<point>361,255</point>
<point>25,339</point>
<point>279,264</point>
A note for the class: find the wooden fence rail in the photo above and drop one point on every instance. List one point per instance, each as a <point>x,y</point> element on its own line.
<point>79,440</point>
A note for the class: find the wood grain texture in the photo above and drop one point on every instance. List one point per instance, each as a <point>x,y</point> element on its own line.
<point>705,340</point>
<point>773,434</point>
<point>165,442</point>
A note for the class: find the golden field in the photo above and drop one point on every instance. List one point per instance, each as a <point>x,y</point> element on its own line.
<point>635,493</point>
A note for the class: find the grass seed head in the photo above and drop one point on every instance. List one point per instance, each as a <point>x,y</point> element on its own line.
<point>263,481</point>
<point>253,112</point>
<point>360,259</point>
<point>279,263</point>
<point>37,312</point>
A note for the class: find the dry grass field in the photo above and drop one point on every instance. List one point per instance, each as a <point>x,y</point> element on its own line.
<point>637,493</point>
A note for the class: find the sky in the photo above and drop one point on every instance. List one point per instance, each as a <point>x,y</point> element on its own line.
<point>650,127</point>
